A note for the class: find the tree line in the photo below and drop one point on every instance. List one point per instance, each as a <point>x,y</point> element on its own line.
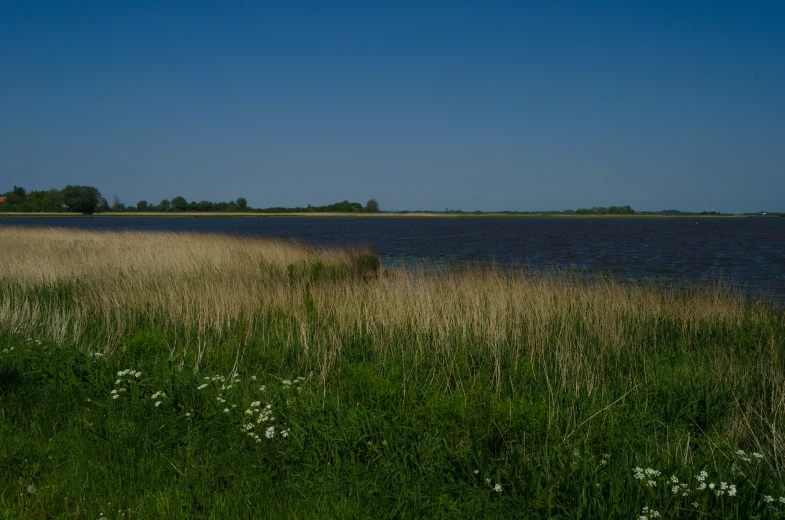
<point>602,210</point>
<point>87,199</point>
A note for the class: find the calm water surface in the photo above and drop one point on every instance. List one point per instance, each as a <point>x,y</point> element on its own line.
<point>750,252</point>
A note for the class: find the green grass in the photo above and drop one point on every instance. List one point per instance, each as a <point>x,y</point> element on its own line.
<point>381,438</point>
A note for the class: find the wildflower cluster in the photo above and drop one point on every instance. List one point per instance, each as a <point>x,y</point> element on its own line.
<point>747,457</point>
<point>648,513</point>
<point>264,417</point>
<point>260,420</point>
<point>158,397</point>
<point>130,375</point>
<point>679,487</point>
<point>226,384</point>
<point>604,459</point>
<point>289,384</point>
<point>649,474</point>
<point>495,487</point>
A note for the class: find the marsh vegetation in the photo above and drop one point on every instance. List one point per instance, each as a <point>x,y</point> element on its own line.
<point>208,376</point>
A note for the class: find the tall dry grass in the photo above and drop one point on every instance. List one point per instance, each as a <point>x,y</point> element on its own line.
<point>58,280</point>
<point>59,283</point>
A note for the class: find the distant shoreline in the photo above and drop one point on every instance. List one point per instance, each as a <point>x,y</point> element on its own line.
<point>391,214</point>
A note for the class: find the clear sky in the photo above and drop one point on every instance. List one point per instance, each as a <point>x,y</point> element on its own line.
<point>422,105</point>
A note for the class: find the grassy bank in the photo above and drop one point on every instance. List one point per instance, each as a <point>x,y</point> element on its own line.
<point>155,375</point>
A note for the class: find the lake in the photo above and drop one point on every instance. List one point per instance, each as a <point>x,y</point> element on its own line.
<point>747,251</point>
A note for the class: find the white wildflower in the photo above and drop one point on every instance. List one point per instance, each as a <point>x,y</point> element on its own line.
<point>249,412</point>
<point>285,433</point>
<point>711,485</point>
<point>114,391</point>
<point>226,410</point>
<point>732,491</point>
<point>256,404</point>
<point>202,387</point>
<point>476,471</point>
<point>118,381</point>
<point>262,388</point>
<point>115,396</point>
<point>157,404</point>
<point>188,414</point>
<point>757,455</point>
<point>497,488</point>
<point>768,499</point>
<point>31,489</point>
<point>270,432</point>
<point>652,483</point>
<point>253,378</point>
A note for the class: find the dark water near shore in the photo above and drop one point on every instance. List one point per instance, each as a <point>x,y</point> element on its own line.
<point>750,252</point>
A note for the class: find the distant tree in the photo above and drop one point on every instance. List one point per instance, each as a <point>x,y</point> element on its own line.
<point>242,203</point>
<point>103,206</point>
<point>179,204</point>
<point>16,197</point>
<point>372,206</point>
<point>116,204</point>
<point>165,205</point>
<point>142,205</point>
<point>81,199</point>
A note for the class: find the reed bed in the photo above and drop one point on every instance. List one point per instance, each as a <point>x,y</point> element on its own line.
<point>520,366</point>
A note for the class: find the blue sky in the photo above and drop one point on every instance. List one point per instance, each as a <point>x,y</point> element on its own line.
<point>422,105</point>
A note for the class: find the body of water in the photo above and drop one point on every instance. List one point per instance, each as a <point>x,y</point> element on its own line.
<point>750,252</point>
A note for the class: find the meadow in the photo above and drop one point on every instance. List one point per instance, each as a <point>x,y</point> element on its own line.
<point>164,375</point>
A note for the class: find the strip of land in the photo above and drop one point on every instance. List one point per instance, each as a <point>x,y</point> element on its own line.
<point>386,214</point>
